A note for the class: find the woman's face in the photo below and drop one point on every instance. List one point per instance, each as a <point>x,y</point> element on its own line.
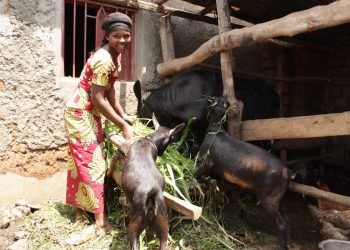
<point>119,40</point>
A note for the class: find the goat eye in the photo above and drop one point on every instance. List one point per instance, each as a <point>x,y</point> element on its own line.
<point>225,105</point>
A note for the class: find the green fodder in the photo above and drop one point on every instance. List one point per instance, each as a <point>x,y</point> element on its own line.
<point>178,168</point>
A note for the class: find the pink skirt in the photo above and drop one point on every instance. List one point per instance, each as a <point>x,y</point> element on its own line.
<point>86,167</point>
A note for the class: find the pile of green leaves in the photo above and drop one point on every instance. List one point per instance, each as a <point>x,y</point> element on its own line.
<point>178,168</point>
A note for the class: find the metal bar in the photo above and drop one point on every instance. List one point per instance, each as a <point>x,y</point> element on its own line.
<point>63,34</point>
<point>74,30</point>
<point>85,21</point>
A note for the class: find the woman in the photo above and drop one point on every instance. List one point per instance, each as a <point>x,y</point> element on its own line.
<point>94,96</point>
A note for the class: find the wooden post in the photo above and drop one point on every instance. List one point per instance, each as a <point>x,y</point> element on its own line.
<point>235,114</point>
<point>167,40</point>
<point>227,65</point>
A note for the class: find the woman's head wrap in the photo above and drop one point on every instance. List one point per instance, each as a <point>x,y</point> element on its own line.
<point>116,21</point>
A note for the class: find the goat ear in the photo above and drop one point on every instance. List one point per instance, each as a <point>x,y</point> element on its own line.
<point>155,121</point>
<point>137,89</point>
<point>176,129</point>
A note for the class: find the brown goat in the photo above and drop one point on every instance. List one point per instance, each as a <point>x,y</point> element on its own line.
<point>143,184</point>
<point>252,168</point>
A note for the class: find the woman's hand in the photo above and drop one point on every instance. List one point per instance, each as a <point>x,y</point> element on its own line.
<point>127,132</point>
<point>129,119</point>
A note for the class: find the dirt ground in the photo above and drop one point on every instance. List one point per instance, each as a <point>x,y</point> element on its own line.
<point>304,229</point>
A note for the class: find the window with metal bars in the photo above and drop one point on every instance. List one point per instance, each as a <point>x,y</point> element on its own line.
<point>83,34</point>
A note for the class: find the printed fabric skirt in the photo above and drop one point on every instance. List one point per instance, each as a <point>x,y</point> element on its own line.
<point>86,164</point>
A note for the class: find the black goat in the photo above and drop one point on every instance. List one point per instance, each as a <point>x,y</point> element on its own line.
<point>143,185</point>
<point>252,168</point>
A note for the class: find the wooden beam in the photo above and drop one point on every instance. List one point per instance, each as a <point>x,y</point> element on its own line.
<point>175,12</point>
<point>235,23</point>
<point>315,18</point>
<point>296,127</point>
<point>160,2</point>
<point>207,9</point>
<point>319,194</point>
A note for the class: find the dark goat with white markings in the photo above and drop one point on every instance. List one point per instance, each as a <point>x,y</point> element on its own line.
<point>252,168</point>
<point>143,184</point>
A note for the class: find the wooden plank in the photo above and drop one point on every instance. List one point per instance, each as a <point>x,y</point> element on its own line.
<point>315,18</point>
<point>296,127</point>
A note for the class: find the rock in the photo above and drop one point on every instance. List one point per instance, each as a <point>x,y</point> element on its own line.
<point>17,213</point>
<point>5,222</point>
<point>21,202</point>
<point>25,210</point>
<point>34,207</point>
<point>3,242</point>
<point>19,245</point>
<point>20,235</point>
<point>7,213</point>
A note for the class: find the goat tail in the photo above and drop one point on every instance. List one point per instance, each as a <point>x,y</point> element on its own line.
<point>154,200</point>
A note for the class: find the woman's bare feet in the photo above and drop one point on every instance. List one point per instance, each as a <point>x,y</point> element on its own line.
<point>80,215</point>
<point>102,222</point>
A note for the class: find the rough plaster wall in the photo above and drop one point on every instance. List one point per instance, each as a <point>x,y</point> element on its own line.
<point>31,129</point>
<point>148,51</point>
<point>190,35</point>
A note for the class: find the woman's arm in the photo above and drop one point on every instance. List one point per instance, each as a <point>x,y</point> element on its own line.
<point>113,100</point>
<point>106,109</point>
